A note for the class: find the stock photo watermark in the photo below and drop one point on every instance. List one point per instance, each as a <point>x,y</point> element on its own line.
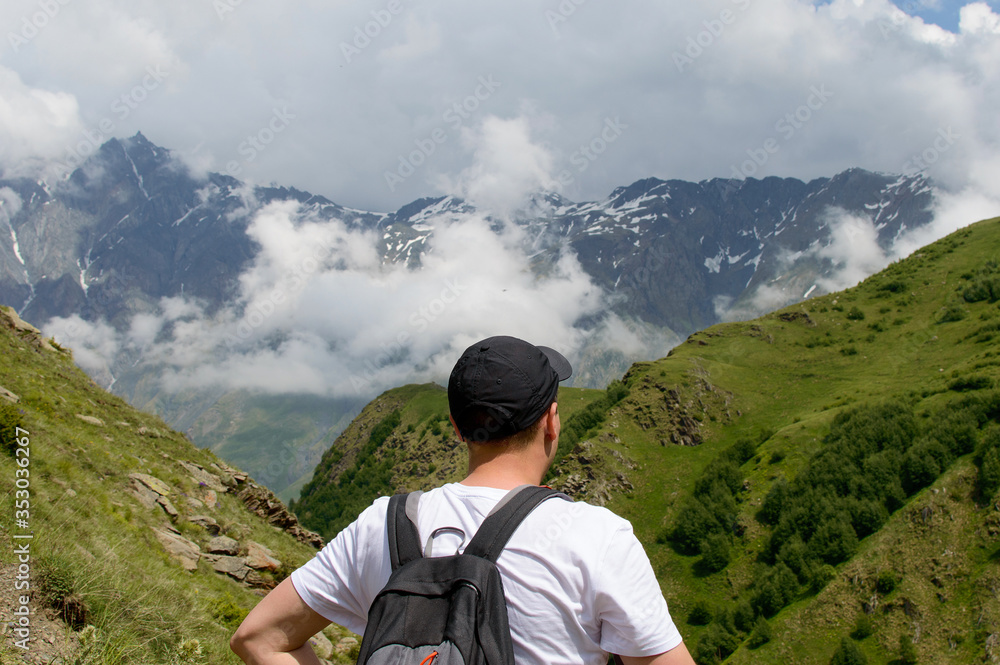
<point>224,7</point>
<point>786,127</point>
<point>120,109</point>
<point>561,14</point>
<point>589,152</point>
<point>905,11</point>
<point>33,24</point>
<point>21,625</point>
<point>371,30</point>
<point>705,39</point>
<point>929,156</point>
<point>256,143</point>
<point>455,116</point>
<point>420,320</point>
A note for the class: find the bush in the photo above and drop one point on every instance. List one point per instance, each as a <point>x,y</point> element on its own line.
<point>715,645</point>
<point>863,627</point>
<point>951,312</point>
<point>714,553</point>
<point>848,653</point>
<point>966,383</point>
<point>10,421</point>
<point>701,614</point>
<point>855,314</point>
<point>907,652</point>
<point>885,583</point>
<point>761,634</point>
<point>58,590</point>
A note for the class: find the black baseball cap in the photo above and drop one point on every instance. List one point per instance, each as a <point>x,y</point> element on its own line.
<point>503,385</point>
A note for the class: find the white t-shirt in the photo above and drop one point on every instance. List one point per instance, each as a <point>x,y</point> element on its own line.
<point>577,582</point>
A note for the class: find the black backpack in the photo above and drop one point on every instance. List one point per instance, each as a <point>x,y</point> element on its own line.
<point>446,610</point>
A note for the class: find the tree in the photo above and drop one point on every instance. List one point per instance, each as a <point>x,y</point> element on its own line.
<point>848,653</point>
<point>714,553</point>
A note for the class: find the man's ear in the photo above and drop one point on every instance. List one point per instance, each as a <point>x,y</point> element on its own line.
<point>552,424</point>
<point>457,433</point>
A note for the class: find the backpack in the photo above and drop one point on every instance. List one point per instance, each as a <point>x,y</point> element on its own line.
<point>446,610</point>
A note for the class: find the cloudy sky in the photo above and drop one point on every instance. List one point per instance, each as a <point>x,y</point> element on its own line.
<point>378,102</point>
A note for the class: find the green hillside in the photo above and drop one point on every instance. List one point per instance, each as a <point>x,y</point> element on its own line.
<point>819,481</point>
<point>140,547</point>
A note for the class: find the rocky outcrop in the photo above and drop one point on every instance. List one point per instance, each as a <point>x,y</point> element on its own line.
<point>10,320</point>
<point>9,396</point>
<point>179,547</point>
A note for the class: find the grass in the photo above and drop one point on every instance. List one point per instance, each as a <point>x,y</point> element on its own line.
<point>94,540</point>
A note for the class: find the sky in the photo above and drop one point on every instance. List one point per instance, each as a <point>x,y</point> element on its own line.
<point>375,103</point>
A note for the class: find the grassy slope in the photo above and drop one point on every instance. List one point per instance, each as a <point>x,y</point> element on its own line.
<point>783,378</point>
<point>91,530</point>
<point>787,376</point>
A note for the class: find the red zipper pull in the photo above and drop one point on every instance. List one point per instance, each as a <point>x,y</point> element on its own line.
<point>429,659</point>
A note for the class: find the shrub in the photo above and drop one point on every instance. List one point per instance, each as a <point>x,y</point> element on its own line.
<point>863,627</point>
<point>855,314</point>
<point>714,553</point>
<point>715,645</point>
<point>885,583</point>
<point>848,653</point>
<point>743,616</point>
<point>58,590</point>
<point>761,634</point>
<point>951,312</point>
<point>907,652</point>
<point>701,614</point>
<point>966,383</point>
<point>10,421</point>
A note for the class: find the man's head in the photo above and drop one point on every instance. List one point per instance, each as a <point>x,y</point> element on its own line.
<point>503,385</point>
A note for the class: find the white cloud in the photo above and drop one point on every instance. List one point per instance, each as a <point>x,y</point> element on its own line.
<point>319,313</point>
<point>977,17</point>
<point>896,79</point>
<point>508,166</point>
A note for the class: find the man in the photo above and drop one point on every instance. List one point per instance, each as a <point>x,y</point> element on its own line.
<point>578,584</point>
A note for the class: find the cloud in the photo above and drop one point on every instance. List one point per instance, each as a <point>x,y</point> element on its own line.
<point>94,344</point>
<point>35,124</point>
<point>896,79</point>
<point>508,166</point>
<point>319,313</point>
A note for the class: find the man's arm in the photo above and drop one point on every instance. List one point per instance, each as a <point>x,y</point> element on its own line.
<point>278,629</point>
<point>677,656</point>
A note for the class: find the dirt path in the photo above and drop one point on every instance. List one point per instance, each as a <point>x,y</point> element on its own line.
<point>50,641</point>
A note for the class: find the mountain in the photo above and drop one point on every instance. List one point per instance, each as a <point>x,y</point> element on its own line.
<point>823,478</point>
<point>126,543</point>
<point>133,228</point>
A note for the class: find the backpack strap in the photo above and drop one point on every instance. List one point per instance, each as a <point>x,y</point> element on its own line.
<point>504,519</point>
<point>404,541</point>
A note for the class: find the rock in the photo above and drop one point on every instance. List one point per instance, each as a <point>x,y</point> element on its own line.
<point>152,483</point>
<point>168,507</point>
<point>8,395</point>
<point>211,499</point>
<point>203,478</point>
<point>222,545</point>
<point>91,420</point>
<point>321,646</point>
<point>345,645</point>
<point>146,496</point>
<point>233,566</point>
<point>207,523</point>
<point>194,503</point>
<point>263,502</point>
<point>70,493</point>
<point>261,558</point>
<point>257,581</point>
<point>179,547</point>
